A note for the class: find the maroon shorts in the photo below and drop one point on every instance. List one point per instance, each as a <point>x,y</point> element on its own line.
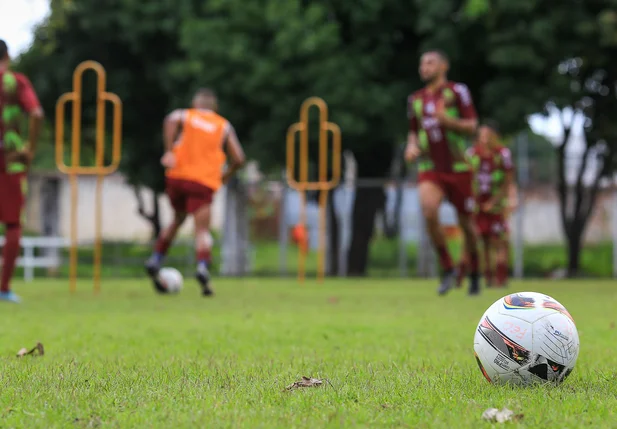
<point>12,197</point>
<point>491,225</point>
<point>187,196</point>
<point>456,186</point>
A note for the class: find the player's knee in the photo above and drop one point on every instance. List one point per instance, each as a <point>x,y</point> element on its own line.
<point>430,211</point>
<point>201,217</point>
<point>203,238</point>
<point>179,218</point>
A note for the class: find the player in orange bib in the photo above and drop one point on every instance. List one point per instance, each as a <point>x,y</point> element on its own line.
<point>196,141</point>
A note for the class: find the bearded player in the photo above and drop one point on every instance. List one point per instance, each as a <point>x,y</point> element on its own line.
<point>17,97</point>
<point>194,163</point>
<point>442,118</point>
<point>493,169</point>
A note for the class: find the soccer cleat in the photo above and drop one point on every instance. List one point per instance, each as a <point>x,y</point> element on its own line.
<point>474,284</point>
<point>152,269</point>
<point>448,281</point>
<point>10,297</point>
<point>203,277</point>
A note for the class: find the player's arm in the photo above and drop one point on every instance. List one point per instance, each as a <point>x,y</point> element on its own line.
<point>412,150</point>
<point>504,190</point>
<point>171,128</point>
<point>512,195</point>
<point>31,105</point>
<point>468,121</point>
<point>508,169</point>
<point>35,123</point>
<point>234,148</point>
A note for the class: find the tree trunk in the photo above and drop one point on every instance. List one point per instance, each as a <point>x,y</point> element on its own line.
<point>367,203</point>
<point>333,236</point>
<point>156,216</point>
<point>574,250</point>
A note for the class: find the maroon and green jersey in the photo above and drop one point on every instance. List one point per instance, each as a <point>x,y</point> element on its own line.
<point>442,150</point>
<point>16,98</point>
<point>490,168</point>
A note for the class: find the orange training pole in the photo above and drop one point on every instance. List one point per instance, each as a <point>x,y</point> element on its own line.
<point>322,184</point>
<point>76,169</point>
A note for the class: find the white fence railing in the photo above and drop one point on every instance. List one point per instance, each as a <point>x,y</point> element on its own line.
<point>49,259</point>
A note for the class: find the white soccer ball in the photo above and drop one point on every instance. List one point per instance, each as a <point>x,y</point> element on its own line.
<point>171,279</point>
<point>524,338</point>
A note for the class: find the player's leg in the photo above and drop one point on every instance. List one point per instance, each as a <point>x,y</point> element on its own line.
<point>431,196</point>
<point>483,232</point>
<point>203,247</point>
<point>502,250</point>
<point>10,253</point>
<point>460,193</point>
<point>507,246</point>
<point>462,268</point>
<point>488,247</point>
<point>164,242</point>
<point>12,196</point>
<point>198,204</point>
<point>177,197</point>
<point>471,249</point>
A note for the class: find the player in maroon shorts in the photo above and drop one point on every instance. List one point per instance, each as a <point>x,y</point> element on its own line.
<point>197,141</point>
<point>493,170</point>
<point>16,98</point>
<point>442,117</point>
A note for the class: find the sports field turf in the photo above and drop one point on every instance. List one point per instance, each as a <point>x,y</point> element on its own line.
<point>395,355</point>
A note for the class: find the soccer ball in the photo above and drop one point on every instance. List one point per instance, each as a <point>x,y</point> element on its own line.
<point>171,279</point>
<point>524,338</point>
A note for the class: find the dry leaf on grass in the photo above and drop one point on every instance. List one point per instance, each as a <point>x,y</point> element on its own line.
<point>37,350</point>
<point>305,382</point>
<point>500,416</point>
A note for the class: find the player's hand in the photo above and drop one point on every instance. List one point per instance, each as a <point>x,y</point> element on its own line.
<point>23,156</point>
<point>168,160</point>
<point>488,206</point>
<point>440,109</point>
<point>440,113</point>
<point>412,151</point>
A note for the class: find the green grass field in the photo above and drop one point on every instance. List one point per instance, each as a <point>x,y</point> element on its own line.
<point>395,355</point>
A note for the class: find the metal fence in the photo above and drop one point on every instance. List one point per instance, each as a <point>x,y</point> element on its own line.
<point>256,239</point>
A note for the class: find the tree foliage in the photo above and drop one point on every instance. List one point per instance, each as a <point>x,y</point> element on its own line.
<point>264,57</point>
<point>564,56</point>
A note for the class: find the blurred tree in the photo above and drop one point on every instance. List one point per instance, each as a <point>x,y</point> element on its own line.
<point>135,43</point>
<point>265,57</point>
<point>553,56</point>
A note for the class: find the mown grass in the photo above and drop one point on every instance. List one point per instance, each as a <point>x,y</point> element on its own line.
<point>395,355</point>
